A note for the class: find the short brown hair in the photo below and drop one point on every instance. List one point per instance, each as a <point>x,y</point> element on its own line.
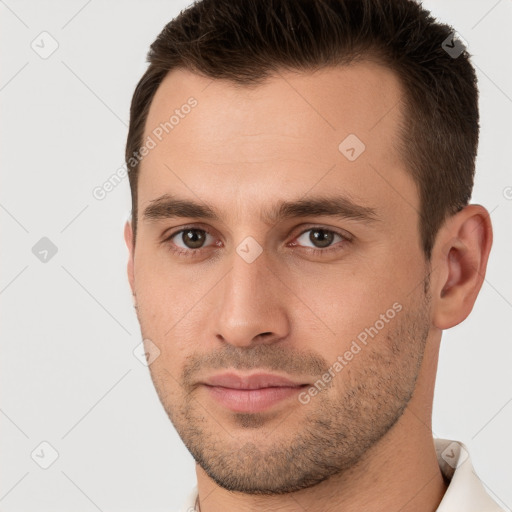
<point>245,41</point>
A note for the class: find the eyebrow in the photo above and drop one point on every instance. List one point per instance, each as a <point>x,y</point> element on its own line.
<point>168,206</point>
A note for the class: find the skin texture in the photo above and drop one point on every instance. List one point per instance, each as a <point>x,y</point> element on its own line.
<point>365,441</point>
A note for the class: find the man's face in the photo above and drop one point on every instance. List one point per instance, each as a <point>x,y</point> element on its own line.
<point>347,289</point>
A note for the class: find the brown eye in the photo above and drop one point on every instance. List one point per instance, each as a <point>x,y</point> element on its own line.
<point>193,238</point>
<point>320,237</point>
<point>188,241</point>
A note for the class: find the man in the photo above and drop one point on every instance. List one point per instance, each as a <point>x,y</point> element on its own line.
<point>300,238</point>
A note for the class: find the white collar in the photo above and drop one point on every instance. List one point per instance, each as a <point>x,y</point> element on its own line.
<point>466,491</point>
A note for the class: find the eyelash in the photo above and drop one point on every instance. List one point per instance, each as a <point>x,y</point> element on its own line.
<point>190,253</point>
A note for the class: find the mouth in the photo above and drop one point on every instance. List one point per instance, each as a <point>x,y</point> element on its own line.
<point>251,393</point>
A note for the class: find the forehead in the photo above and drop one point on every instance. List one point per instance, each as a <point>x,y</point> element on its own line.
<point>359,98</point>
<point>284,136</point>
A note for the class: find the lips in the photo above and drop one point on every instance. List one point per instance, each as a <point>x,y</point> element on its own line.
<point>251,393</point>
<point>255,381</point>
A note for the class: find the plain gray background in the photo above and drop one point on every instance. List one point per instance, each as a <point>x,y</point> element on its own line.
<point>68,373</point>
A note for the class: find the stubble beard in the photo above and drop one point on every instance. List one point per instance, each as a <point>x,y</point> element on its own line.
<point>272,454</point>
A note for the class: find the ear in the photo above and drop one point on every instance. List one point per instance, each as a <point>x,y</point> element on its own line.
<point>128,238</point>
<point>459,260</point>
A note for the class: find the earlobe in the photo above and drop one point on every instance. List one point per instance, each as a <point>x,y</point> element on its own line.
<point>461,254</point>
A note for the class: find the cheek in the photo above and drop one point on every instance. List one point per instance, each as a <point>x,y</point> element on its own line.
<point>171,314</point>
<point>354,311</point>
<point>162,293</point>
<point>343,301</point>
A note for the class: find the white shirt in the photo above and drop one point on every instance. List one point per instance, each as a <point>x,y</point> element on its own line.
<point>465,493</point>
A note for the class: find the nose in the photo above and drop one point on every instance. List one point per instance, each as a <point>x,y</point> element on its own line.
<point>251,305</point>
